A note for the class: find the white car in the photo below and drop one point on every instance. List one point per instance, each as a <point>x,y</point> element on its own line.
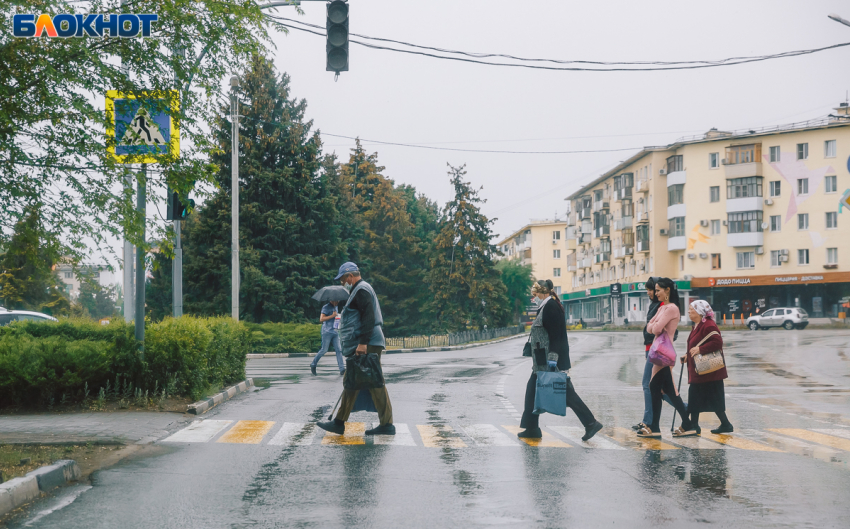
<point>8,316</point>
<point>787,317</point>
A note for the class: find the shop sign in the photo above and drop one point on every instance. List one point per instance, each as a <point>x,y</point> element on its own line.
<point>616,289</point>
<point>799,279</point>
<point>733,305</point>
<point>817,304</point>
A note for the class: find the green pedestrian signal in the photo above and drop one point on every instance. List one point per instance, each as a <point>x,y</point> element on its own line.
<point>177,209</point>
<point>337,31</point>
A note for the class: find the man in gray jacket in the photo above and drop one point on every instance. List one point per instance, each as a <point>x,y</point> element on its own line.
<point>360,332</point>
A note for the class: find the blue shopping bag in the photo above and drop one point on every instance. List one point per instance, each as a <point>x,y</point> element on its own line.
<point>551,393</point>
<point>364,402</point>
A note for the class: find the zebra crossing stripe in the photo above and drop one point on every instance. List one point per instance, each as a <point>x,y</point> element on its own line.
<point>294,434</point>
<point>791,445</point>
<point>547,441</point>
<point>247,432</point>
<point>816,437</point>
<point>695,443</point>
<point>575,433</point>
<point>198,432</point>
<point>402,436</point>
<point>630,438</point>
<point>739,442</point>
<point>439,436</point>
<point>488,435</point>
<point>836,432</point>
<point>354,435</point>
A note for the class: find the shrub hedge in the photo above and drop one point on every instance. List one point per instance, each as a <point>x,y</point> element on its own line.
<point>285,337</point>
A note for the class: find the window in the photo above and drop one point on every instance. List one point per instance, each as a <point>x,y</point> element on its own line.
<point>776,223</point>
<point>831,220</point>
<point>746,259</point>
<point>829,149</point>
<point>802,151</point>
<point>715,261</point>
<point>775,188</point>
<point>831,183</point>
<point>802,257</point>
<point>774,258</point>
<point>802,221</point>
<point>744,222</point>
<point>713,160</point>
<point>832,256</point>
<point>556,235</point>
<point>715,227</point>
<point>556,254</point>
<point>558,291</point>
<point>774,154</point>
<point>681,263</point>
<point>650,202</point>
<point>556,272</point>
<point>676,194</point>
<point>674,163</point>
<point>67,275</point>
<point>743,153</point>
<point>802,186</point>
<point>677,227</point>
<point>744,187</point>
<point>715,193</point>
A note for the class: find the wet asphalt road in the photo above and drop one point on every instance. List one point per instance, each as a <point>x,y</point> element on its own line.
<point>794,382</point>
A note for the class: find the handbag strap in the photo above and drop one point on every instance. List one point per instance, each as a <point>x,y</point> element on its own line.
<point>707,336</point>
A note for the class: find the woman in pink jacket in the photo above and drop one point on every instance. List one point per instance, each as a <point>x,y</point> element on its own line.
<point>665,320</point>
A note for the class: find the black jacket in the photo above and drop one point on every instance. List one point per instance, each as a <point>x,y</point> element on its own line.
<point>648,337</point>
<point>362,303</point>
<point>556,327</point>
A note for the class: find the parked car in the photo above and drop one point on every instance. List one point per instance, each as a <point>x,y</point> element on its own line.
<point>8,316</point>
<point>787,317</point>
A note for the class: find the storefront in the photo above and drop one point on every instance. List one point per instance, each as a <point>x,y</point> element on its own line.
<point>820,294</point>
<point>618,303</point>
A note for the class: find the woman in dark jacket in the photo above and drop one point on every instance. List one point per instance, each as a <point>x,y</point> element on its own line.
<point>549,332</point>
<point>706,393</point>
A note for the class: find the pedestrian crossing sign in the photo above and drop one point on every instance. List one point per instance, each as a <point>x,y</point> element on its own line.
<point>143,127</point>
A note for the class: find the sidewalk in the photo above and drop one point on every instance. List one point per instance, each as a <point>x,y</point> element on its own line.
<point>103,428</point>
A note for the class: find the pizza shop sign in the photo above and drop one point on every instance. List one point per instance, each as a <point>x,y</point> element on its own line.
<point>799,279</point>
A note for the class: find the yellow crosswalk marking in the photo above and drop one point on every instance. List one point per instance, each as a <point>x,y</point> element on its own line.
<point>739,442</point>
<point>547,440</point>
<point>443,436</point>
<point>247,432</point>
<point>820,438</point>
<point>355,434</point>
<point>630,438</point>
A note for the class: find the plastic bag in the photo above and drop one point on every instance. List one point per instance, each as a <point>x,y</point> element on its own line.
<point>551,393</point>
<point>363,372</point>
<point>662,353</point>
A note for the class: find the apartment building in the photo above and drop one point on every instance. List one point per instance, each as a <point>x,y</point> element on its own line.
<point>748,220</point>
<point>71,278</point>
<point>541,243</point>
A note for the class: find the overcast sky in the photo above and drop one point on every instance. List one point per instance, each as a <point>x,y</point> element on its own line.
<point>395,97</point>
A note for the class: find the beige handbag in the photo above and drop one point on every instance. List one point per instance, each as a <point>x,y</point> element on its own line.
<point>708,362</point>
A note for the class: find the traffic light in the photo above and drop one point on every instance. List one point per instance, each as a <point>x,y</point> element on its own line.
<point>176,209</point>
<point>337,30</point>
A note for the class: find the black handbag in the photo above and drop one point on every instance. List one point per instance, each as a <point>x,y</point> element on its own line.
<point>526,349</point>
<point>363,372</point>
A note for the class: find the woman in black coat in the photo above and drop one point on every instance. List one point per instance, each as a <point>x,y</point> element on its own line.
<point>549,332</point>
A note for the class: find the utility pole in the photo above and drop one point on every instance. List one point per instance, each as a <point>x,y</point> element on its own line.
<point>140,264</point>
<point>177,264</point>
<point>234,274</point>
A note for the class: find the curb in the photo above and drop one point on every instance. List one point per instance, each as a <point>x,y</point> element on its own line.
<point>19,491</point>
<point>392,351</point>
<point>202,406</point>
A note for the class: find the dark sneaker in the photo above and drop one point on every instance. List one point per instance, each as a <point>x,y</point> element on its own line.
<point>638,427</point>
<point>312,369</point>
<point>335,426</point>
<point>387,429</point>
<point>530,433</point>
<point>724,428</point>
<point>591,430</point>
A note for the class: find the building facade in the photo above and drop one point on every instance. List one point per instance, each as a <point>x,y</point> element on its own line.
<point>541,244</point>
<point>748,221</point>
<point>71,280</point>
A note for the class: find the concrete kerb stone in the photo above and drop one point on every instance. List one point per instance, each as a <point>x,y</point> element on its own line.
<point>17,492</point>
<point>57,474</point>
<point>202,406</point>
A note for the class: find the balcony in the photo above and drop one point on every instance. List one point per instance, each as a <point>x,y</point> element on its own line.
<point>642,246</point>
<point>602,231</point>
<point>642,216</point>
<point>599,206</point>
<point>602,257</point>
<point>677,243</point>
<point>677,210</point>
<point>571,262</point>
<point>735,205</point>
<point>624,193</point>
<point>676,178</point>
<point>586,213</point>
<point>571,232</point>
<point>738,240</point>
<point>587,262</point>
<point>586,226</point>
<point>585,238</point>
<point>572,219</point>
<point>623,223</point>
<point>743,170</point>
<point>642,185</point>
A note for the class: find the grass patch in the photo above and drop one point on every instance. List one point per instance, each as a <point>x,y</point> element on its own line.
<point>262,383</point>
<point>40,455</point>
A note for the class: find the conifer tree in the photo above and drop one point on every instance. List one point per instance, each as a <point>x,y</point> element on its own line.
<point>467,290</point>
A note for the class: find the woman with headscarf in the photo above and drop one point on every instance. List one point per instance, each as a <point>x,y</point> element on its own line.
<point>706,392</point>
<point>549,332</point>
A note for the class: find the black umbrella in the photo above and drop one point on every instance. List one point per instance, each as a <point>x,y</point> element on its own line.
<point>331,293</point>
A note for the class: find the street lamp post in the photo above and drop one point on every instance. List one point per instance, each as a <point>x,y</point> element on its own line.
<point>234,179</point>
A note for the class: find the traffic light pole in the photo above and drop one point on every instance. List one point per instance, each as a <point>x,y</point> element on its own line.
<point>177,264</point>
<point>234,187</point>
<point>128,246</point>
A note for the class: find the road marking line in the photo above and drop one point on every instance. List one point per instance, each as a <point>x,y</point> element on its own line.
<point>354,435</point>
<point>198,432</point>
<point>402,436</point>
<point>695,443</point>
<point>439,436</point>
<point>294,434</point>
<point>840,433</point>
<point>629,437</point>
<point>816,437</point>
<point>739,442</point>
<point>247,432</point>
<point>791,445</point>
<point>488,435</point>
<point>548,440</point>
<point>575,433</point>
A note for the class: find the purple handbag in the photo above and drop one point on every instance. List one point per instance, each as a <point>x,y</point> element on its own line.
<point>662,352</point>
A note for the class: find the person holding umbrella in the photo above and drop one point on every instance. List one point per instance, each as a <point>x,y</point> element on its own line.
<point>329,336</point>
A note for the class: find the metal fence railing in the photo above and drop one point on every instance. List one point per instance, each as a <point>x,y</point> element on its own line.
<point>458,338</point>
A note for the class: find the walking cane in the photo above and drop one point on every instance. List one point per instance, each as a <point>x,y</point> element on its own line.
<point>330,417</point>
<point>678,390</point>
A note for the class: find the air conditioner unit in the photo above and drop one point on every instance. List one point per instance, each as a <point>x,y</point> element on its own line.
<point>663,231</point>
<point>764,225</point>
<point>724,162</point>
<point>555,241</point>
<point>768,202</point>
<point>642,268</point>
<point>692,256</point>
<point>688,277</point>
<point>783,258</point>
<point>759,250</point>
<point>703,223</point>
<point>662,171</point>
<point>725,223</point>
<point>783,252</point>
<point>703,256</point>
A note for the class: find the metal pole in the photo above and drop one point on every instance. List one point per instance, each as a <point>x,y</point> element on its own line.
<point>177,264</point>
<point>234,277</point>
<point>128,246</point>
<point>140,265</point>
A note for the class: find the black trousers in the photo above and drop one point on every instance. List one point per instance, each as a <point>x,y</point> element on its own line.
<point>532,421</point>
<point>663,381</point>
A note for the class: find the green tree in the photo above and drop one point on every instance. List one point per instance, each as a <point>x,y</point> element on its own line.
<point>27,280</point>
<point>518,279</point>
<point>159,301</point>
<point>97,300</point>
<point>288,227</point>
<point>465,284</point>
